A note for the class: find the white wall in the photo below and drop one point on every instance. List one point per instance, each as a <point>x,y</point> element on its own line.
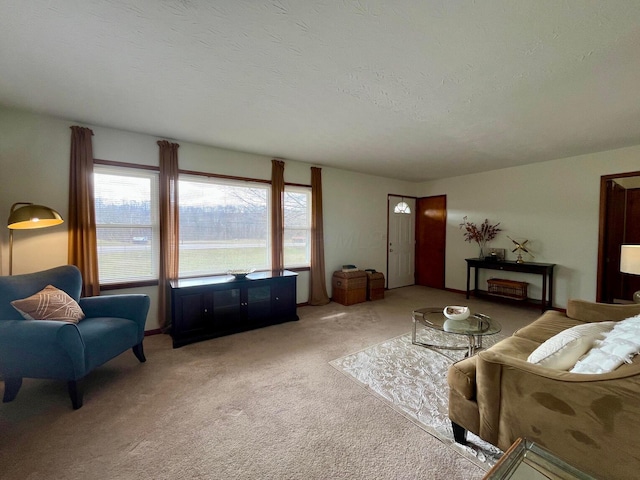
<point>355,219</point>
<point>33,153</point>
<point>554,204</point>
<point>34,161</point>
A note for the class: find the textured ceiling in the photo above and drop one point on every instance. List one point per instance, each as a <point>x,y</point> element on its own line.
<point>409,89</point>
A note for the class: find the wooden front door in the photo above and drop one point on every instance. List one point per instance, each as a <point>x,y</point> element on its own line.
<point>431,228</point>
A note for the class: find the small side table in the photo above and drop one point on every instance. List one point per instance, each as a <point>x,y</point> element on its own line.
<point>527,461</point>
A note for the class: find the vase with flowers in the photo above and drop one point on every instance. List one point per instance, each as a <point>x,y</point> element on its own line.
<point>480,234</point>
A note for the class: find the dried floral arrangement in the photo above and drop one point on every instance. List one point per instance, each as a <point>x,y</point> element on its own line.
<point>481,235</point>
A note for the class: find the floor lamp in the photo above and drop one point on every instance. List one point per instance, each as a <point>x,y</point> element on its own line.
<point>27,216</point>
<point>630,263</point>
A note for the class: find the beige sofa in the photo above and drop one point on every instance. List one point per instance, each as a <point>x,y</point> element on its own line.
<point>591,421</point>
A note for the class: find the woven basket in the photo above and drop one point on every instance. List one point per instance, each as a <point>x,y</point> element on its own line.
<point>375,286</point>
<point>508,288</point>
<point>349,287</point>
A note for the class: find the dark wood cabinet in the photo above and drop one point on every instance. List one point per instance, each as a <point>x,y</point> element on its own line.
<point>208,307</point>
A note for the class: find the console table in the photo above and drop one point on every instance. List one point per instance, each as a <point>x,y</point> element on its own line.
<point>545,270</point>
<point>208,307</point>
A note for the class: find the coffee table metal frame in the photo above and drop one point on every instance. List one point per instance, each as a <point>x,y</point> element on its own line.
<point>483,323</point>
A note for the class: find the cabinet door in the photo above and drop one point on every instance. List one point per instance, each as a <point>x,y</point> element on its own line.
<point>258,303</point>
<point>226,309</point>
<point>192,315</point>
<point>284,299</point>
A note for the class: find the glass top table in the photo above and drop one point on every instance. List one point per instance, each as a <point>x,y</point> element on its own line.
<point>473,328</point>
<point>526,460</point>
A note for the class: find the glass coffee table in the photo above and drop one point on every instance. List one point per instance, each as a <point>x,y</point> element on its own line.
<point>473,328</point>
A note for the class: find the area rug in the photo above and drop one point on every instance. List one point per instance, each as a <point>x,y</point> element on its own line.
<point>413,381</point>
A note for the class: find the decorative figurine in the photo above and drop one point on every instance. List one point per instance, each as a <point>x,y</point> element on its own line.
<point>520,247</point>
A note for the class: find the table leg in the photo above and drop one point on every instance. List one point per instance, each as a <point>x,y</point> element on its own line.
<point>475,344</point>
<point>475,281</point>
<point>551,289</point>
<point>413,333</point>
<point>544,292</point>
<point>468,273</point>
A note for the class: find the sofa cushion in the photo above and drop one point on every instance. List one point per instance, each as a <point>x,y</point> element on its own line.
<point>586,311</point>
<point>515,347</point>
<point>49,303</point>
<point>563,350</point>
<point>546,326</point>
<point>105,338</point>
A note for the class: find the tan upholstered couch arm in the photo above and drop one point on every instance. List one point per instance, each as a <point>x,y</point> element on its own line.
<point>600,312</point>
<point>578,417</point>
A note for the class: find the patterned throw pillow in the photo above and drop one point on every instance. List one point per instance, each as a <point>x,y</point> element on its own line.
<point>49,303</point>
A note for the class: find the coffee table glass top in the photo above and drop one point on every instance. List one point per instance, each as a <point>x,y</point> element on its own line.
<point>473,328</point>
<point>476,324</point>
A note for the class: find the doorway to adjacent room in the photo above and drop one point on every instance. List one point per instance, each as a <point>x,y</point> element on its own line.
<point>619,211</point>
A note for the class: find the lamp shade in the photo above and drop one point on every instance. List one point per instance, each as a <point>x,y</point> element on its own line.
<point>630,259</point>
<point>30,216</point>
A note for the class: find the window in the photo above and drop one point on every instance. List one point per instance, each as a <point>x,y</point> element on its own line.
<point>297,226</point>
<point>224,225</point>
<point>402,207</point>
<point>126,205</point>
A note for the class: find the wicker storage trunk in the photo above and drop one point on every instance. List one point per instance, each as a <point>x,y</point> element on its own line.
<point>508,288</point>
<point>375,286</point>
<point>349,287</point>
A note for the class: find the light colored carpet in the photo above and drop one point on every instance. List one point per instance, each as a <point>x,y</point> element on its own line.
<point>413,380</point>
<point>263,404</point>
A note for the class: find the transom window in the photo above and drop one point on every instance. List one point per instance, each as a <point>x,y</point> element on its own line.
<point>402,207</point>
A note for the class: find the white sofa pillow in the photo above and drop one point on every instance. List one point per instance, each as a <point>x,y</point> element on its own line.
<point>631,324</point>
<point>620,345</point>
<point>563,350</point>
<point>597,361</point>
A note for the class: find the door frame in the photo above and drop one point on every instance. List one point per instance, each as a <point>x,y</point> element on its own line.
<point>602,254</point>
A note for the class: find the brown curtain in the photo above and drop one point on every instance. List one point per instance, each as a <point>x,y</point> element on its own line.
<point>277,215</point>
<point>169,226</point>
<point>83,245</point>
<point>317,285</point>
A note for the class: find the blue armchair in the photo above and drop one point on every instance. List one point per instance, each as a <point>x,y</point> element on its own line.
<point>63,350</point>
